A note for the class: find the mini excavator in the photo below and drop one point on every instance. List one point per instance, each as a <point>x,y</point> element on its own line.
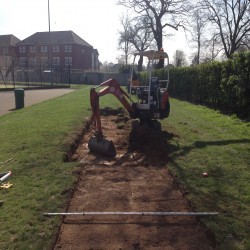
<point>151,94</point>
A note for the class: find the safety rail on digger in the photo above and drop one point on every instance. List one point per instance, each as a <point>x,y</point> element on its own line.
<point>152,96</point>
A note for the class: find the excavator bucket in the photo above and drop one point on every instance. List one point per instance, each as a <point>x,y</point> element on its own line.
<point>102,146</point>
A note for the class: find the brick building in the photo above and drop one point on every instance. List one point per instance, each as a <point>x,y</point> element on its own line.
<point>57,49</point>
<point>7,51</point>
<point>7,45</point>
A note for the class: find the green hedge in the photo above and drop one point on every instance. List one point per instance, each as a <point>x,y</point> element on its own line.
<point>223,85</point>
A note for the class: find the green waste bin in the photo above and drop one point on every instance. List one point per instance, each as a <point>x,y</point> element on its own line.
<point>19,98</point>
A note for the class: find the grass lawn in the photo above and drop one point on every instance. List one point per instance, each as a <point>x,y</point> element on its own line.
<point>37,138</point>
<point>202,140</point>
<point>206,141</point>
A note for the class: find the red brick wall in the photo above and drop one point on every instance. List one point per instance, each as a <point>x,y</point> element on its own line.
<point>81,55</point>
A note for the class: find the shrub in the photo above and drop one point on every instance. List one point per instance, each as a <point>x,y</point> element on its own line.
<point>223,85</point>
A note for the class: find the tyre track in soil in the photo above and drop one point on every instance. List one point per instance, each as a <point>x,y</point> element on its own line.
<point>136,180</point>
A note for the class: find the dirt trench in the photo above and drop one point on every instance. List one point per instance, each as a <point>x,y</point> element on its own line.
<point>137,179</point>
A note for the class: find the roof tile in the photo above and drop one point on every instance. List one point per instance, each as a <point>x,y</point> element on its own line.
<point>54,37</point>
<point>8,40</point>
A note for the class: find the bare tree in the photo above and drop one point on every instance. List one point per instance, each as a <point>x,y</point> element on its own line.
<point>231,20</point>
<point>213,47</point>
<point>160,14</point>
<point>198,32</point>
<point>135,36</point>
<point>141,37</point>
<point>124,37</point>
<point>210,50</point>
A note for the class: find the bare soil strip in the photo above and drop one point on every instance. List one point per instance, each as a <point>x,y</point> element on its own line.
<point>136,180</point>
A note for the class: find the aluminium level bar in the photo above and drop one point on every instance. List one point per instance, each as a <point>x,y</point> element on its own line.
<point>137,213</point>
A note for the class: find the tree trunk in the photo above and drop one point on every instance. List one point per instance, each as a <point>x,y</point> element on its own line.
<point>140,62</point>
<point>160,64</point>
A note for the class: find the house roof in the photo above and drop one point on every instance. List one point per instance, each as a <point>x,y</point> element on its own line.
<point>54,37</point>
<point>8,40</point>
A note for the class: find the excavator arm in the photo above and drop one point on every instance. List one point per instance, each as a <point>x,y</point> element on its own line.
<point>110,86</point>
<point>97,143</point>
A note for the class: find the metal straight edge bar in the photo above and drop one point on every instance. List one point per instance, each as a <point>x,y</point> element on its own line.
<point>136,213</point>
<point>5,176</point>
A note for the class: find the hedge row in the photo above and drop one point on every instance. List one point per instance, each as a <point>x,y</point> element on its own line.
<point>223,85</point>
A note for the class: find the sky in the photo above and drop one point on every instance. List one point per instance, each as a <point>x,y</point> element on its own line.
<point>95,21</point>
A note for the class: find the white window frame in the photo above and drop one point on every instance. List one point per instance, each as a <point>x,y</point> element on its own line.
<point>5,51</point>
<point>44,48</point>
<point>68,48</point>
<point>55,48</point>
<point>33,49</point>
<point>22,49</point>
<point>68,60</point>
<point>56,60</point>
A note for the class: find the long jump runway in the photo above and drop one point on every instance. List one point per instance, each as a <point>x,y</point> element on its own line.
<point>7,98</point>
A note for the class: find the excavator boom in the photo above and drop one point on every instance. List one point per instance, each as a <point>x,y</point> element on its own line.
<point>97,143</point>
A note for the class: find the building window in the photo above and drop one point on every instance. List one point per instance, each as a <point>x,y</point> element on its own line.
<point>44,61</point>
<point>5,51</point>
<point>22,49</point>
<point>68,48</point>
<point>56,61</point>
<point>32,49</point>
<point>44,48</point>
<point>56,48</point>
<point>68,61</point>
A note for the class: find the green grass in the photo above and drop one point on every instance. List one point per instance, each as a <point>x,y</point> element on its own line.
<point>37,138</point>
<point>202,140</point>
<point>206,141</point>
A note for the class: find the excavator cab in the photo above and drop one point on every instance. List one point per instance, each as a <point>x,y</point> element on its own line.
<point>151,93</point>
<point>133,83</point>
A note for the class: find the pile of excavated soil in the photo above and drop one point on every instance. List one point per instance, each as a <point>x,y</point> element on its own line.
<point>137,179</point>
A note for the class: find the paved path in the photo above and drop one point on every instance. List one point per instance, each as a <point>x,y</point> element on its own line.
<point>7,98</point>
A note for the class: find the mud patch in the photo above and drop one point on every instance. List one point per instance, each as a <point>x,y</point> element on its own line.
<point>137,179</point>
